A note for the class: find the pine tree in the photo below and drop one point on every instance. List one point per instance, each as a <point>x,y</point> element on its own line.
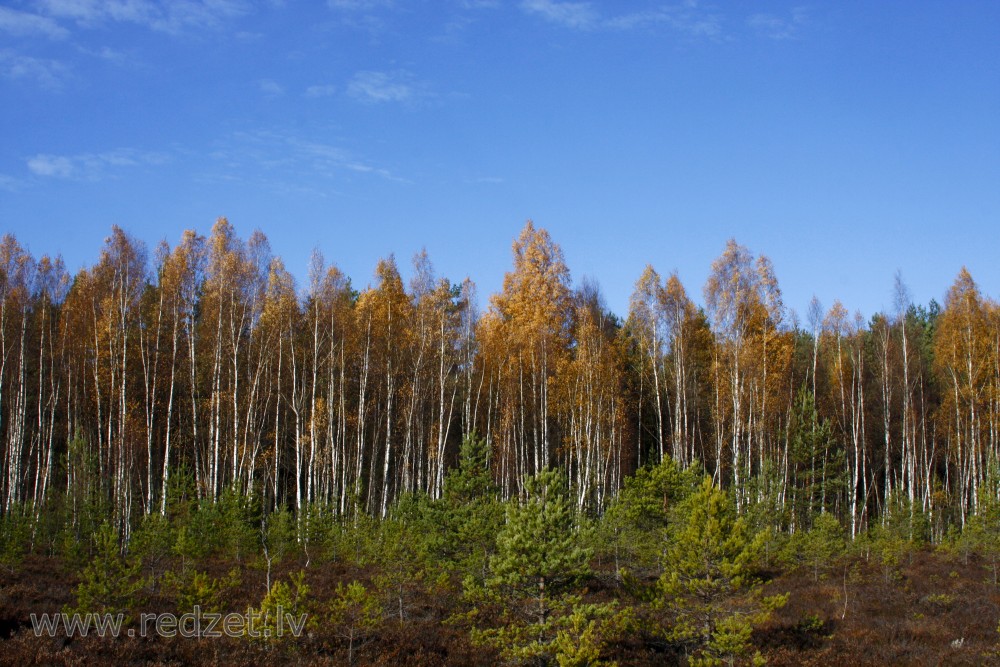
<point>110,582</point>
<point>285,609</point>
<point>538,561</point>
<point>635,525</point>
<point>402,555</point>
<point>468,516</point>
<point>982,531</point>
<point>708,585</point>
<point>817,464</point>
<point>820,545</point>
<point>538,549</point>
<point>354,614</point>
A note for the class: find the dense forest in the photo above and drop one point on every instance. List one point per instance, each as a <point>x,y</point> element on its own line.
<point>550,481</point>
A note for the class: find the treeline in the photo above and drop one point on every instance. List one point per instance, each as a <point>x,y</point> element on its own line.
<point>205,361</point>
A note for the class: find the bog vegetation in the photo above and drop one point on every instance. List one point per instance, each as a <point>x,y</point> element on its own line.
<point>539,482</point>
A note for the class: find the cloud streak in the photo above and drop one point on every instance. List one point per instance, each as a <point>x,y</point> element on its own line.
<point>284,158</point>
<point>170,16</point>
<point>26,24</point>
<point>110,55</point>
<point>9,183</point>
<point>688,18</point>
<point>777,27</point>
<point>91,166</point>
<point>574,15</point>
<point>320,90</point>
<point>270,88</point>
<point>380,87</point>
<point>358,5</point>
<point>47,73</point>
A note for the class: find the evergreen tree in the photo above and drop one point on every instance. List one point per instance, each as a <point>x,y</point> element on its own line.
<point>982,532</point>
<point>538,550</point>
<point>354,614</point>
<point>817,464</point>
<point>538,561</point>
<point>15,536</point>
<point>820,545</point>
<point>110,582</point>
<point>403,558</point>
<point>466,519</point>
<point>191,588</point>
<point>903,529</point>
<point>634,526</point>
<point>285,609</point>
<point>708,586</point>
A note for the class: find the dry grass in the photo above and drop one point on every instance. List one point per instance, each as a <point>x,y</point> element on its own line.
<point>913,618</point>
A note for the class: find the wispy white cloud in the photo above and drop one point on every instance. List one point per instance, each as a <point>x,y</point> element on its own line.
<point>275,157</point>
<point>113,56</point>
<point>9,183</point>
<point>693,19</point>
<point>26,24</point>
<point>270,88</point>
<point>367,16</point>
<point>378,87</point>
<point>689,17</point>
<point>465,14</point>
<point>358,5</point>
<point>51,165</point>
<point>636,19</point>
<point>479,4</point>
<point>171,16</point>
<point>91,166</point>
<point>320,90</point>
<point>96,11</point>
<point>779,27</point>
<point>333,157</point>
<point>576,15</point>
<point>44,72</point>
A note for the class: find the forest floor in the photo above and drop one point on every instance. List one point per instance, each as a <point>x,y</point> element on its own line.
<point>930,609</point>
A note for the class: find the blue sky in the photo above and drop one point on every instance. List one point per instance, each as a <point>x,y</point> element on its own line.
<point>844,140</point>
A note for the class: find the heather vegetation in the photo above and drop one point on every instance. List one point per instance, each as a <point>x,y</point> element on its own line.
<point>541,483</point>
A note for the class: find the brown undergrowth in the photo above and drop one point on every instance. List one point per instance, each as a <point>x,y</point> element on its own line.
<point>933,608</point>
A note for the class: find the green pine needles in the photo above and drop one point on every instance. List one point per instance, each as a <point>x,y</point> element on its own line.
<point>708,586</point>
<point>529,608</point>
